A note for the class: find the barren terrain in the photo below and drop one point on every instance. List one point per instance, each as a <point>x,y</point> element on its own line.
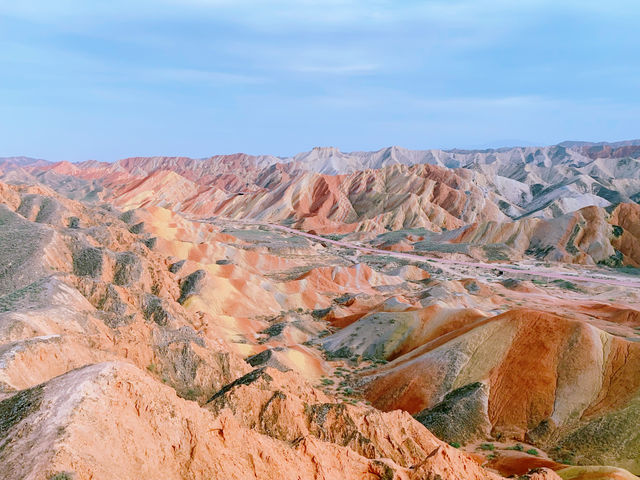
<point>368,315</point>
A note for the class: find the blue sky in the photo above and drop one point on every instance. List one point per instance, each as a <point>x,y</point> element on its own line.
<point>84,79</point>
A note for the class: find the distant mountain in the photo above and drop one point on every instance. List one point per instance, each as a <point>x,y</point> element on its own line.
<point>521,182</point>
<point>7,163</point>
<point>622,143</point>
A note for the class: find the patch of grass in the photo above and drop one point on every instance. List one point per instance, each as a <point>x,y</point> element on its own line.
<point>275,329</point>
<point>18,407</point>
<point>539,252</point>
<point>564,456</point>
<point>617,231</point>
<point>434,246</point>
<point>532,451</point>
<point>343,299</point>
<point>570,246</point>
<point>324,333</point>
<point>18,298</point>
<point>566,285</point>
<point>327,381</point>
<point>518,447</point>
<point>334,236</point>
<point>487,446</point>
<point>455,444</point>
<point>320,312</point>
<point>629,270</point>
<point>248,379</point>
<point>190,394</point>
<point>496,252</point>
<point>614,261</point>
<point>62,476</point>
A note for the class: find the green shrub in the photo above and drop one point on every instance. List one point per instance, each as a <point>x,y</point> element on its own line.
<point>517,446</point>
<point>617,231</point>
<point>455,444</point>
<point>487,446</point>
<point>532,451</point>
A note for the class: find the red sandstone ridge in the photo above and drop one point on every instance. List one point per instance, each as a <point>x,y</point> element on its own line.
<point>395,197</point>
<point>63,419</point>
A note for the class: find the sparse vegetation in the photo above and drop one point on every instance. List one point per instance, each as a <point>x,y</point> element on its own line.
<point>487,446</point>
<point>191,285</point>
<point>496,252</point>
<point>518,447</point>
<point>614,261</point>
<point>567,285</point>
<point>629,270</point>
<point>22,297</point>
<point>74,222</point>
<point>539,251</point>
<point>18,407</point>
<point>570,246</point>
<point>320,312</point>
<point>617,231</point>
<point>62,476</point>
<point>190,394</point>
<point>88,262</point>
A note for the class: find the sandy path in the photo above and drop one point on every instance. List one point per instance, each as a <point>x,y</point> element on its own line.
<point>547,273</point>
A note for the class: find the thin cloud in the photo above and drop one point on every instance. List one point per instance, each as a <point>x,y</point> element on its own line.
<point>190,75</point>
<point>354,69</point>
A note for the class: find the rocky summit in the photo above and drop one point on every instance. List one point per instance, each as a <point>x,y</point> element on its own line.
<point>397,314</point>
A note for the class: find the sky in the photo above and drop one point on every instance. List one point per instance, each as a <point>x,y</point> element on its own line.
<point>89,79</point>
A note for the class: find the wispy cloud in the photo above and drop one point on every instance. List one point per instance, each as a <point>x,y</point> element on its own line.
<point>191,75</point>
<point>321,12</point>
<point>354,69</point>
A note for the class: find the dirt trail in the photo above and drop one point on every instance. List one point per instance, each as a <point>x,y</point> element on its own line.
<point>547,273</point>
